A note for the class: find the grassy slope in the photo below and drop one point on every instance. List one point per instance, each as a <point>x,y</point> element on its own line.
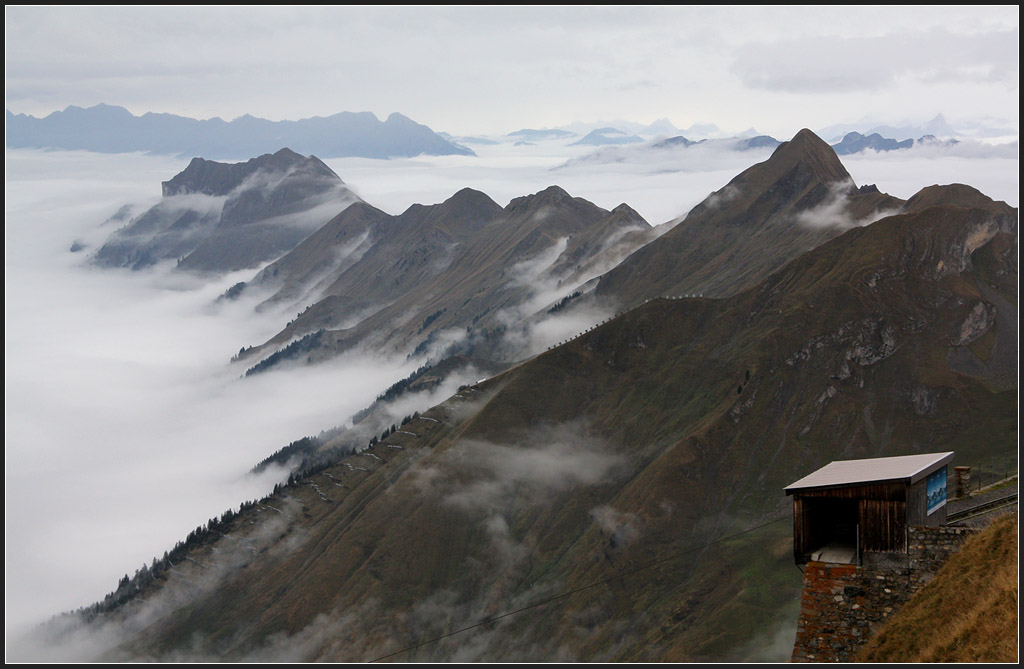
<point>699,412</point>
<point>967,613</point>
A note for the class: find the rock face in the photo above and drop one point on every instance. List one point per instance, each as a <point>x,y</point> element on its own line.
<point>217,217</point>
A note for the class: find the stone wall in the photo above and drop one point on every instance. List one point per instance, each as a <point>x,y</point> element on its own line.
<point>928,548</point>
<point>841,604</point>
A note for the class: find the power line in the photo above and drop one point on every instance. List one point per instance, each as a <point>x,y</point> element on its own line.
<point>491,619</point>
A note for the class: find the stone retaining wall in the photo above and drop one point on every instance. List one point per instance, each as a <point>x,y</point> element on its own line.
<point>841,604</point>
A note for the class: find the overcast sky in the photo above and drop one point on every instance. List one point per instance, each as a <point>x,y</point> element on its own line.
<point>496,69</point>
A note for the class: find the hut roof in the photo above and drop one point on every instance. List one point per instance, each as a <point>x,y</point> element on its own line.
<point>909,468</point>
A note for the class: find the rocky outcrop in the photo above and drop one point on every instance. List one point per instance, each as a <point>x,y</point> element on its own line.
<point>217,217</point>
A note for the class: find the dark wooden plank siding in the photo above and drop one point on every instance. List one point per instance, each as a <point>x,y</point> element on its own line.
<point>798,528</point>
<point>890,490</point>
<point>917,503</point>
<point>823,515</point>
<point>882,525</point>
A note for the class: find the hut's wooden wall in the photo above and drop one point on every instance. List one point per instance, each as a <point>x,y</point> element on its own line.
<point>883,525</point>
<point>880,509</point>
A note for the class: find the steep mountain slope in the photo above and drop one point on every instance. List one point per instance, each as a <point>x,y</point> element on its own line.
<point>769,214</point>
<point>449,274</point>
<point>217,217</point>
<point>365,257</point>
<point>631,479</point>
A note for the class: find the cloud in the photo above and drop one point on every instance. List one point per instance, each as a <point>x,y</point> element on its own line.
<point>834,211</point>
<point>528,271</point>
<point>722,197</point>
<point>125,426</point>
<point>70,639</point>
<point>839,64</point>
<point>546,461</point>
<point>621,528</point>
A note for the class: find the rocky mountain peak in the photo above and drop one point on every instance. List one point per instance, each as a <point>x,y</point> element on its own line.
<point>811,151</point>
<point>552,195</point>
<point>468,198</point>
<point>214,178</point>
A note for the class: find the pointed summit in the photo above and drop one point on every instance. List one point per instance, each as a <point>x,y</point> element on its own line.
<point>800,174</point>
<point>469,198</point>
<point>813,153</point>
<point>460,215</point>
<point>553,196</point>
<point>750,227</point>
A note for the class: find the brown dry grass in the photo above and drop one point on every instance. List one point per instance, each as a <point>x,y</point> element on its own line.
<point>967,613</point>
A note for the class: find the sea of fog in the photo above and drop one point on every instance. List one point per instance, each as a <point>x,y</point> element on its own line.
<point>125,426</point>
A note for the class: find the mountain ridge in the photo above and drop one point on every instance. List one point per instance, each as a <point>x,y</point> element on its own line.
<point>663,439</point>
<point>750,227</point>
<point>466,288</point>
<point>110,129</point>
<point>216,217</point>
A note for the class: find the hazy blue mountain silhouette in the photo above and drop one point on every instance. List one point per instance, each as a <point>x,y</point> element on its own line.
<point>111,129</point>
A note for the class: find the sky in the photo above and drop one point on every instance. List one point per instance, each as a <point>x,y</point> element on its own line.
<point>124,426</point>
<point>492,70</point>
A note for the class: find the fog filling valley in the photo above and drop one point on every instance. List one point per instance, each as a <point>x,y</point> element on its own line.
<point>125,426</point>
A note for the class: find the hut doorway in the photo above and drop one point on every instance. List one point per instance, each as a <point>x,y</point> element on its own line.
<point>832,529</point>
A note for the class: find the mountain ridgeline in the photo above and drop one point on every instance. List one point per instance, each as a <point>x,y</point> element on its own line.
<point>217,217</point>
<point>622,491</point>
<point>769,214</point>
<point>111,129</point>
<point>456,277</point>
<point>490,283</point>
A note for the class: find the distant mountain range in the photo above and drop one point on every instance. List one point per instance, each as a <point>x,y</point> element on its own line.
<point>110,129</point>
<point>605,136</point>
<point>532,135</point>
<point>937,127</point>
<point>854,142</point>
<point>619,496</point>
<point>617,147</point>
<point>620,132</point>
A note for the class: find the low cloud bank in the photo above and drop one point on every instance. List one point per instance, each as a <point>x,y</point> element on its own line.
<point>126,428</point>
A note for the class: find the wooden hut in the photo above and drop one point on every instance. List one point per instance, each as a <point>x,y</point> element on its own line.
<point>849,507</point>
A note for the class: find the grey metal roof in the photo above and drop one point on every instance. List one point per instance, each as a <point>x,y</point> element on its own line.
<point>912,468</point>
